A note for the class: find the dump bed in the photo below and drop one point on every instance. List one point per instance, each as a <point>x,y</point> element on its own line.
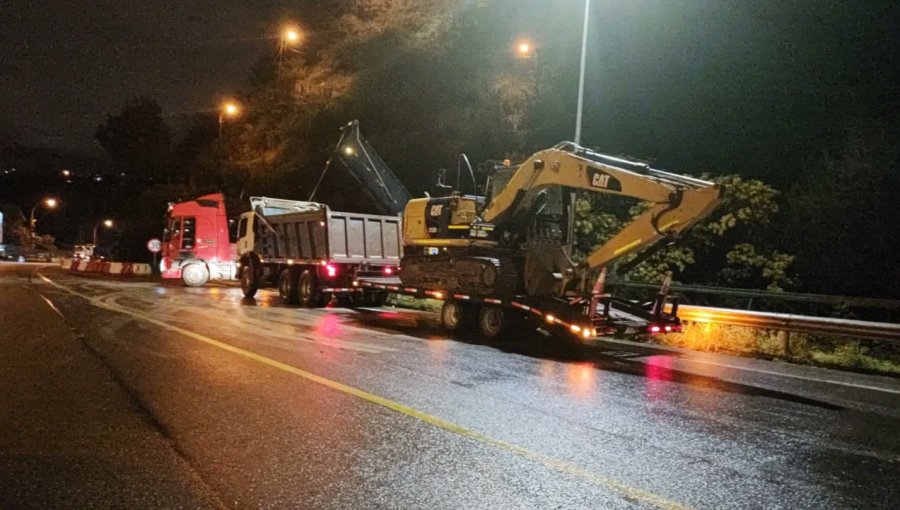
<point>323,234</point>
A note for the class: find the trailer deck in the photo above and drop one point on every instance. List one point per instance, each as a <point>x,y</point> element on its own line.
<point>612,316</point>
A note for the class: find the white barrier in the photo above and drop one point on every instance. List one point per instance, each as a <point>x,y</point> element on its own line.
<point>100,266</point>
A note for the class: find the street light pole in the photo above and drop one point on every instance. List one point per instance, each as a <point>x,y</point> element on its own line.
<point>105,223</point>
<point>49,202</point>
<point>580,110</point>
<point>229,109</point>
<point>289,36</point>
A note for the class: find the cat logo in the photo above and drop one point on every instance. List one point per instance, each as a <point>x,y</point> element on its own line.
<point>436,210</point>
<point>602,180</point>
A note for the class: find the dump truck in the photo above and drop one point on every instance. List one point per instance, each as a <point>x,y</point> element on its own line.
<point>311,253</point>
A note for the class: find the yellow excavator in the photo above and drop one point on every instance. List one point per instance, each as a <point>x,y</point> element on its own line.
<point>517,239</point>
<point>503,258</point>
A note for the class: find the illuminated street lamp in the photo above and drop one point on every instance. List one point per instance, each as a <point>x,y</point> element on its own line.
<point>49,203</point>
<point>524,49</point>
<point>229,109</point>
<point>291,36</point>
<point>105,223</point>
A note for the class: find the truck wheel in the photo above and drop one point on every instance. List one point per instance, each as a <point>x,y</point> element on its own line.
<point>376,299</point>
<point>195,274</point>
<point>287,287</point>
<point>249,280</point>
<point>309,291</point>
<point>492,322</point>
<point>452,315</point>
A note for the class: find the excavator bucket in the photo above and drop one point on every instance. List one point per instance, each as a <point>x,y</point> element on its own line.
<point>374,176</point>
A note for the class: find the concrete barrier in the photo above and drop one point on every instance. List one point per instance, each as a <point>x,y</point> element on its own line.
<point>104,267</point>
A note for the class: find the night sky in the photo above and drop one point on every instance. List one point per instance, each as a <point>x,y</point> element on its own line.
<point>64,64</point>
<point>701,84</point>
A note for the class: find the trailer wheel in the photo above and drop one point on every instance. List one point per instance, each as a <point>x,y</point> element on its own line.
<point>309,292</point>
<point>249,280</point>
<point>195,274</point>
<point>457,316</point>
<point>492,322</point>
<point>376,299</point>
<point>287,287</point>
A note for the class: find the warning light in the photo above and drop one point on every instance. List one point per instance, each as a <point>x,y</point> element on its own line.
<point>438,295</point>
<point>575,329</point>
<point>587,333</point>
<point>550,319</point>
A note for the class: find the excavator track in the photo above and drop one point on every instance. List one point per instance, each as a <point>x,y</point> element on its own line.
<point>468,274</point>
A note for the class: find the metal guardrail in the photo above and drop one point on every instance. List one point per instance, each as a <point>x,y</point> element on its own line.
<point>890,304</point>
<point>789,322</point>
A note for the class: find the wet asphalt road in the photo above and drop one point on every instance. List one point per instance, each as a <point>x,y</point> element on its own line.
<point>142,395</point>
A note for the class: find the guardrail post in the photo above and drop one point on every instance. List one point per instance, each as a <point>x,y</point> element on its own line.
<point>785,342</point>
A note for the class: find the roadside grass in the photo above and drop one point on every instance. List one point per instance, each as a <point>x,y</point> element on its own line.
<point>829,351</point>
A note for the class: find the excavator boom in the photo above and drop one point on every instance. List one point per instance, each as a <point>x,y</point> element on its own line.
<point>676,202</point>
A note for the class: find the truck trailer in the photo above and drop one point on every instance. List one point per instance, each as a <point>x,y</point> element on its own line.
<point>311,253</point>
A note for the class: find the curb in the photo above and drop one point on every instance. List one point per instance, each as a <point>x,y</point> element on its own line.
<point>104,267</point>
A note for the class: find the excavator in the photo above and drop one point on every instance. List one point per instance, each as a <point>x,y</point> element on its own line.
<point>517,239</point>
<point>506,254</point>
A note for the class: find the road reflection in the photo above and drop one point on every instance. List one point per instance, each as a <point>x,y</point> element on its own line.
<point>579,379</point>
<point>658,372</point>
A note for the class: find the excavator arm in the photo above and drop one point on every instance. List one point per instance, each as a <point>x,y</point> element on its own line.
<point>676,202</point>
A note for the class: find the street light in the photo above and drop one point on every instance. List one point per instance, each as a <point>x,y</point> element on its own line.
<point>580,110</point>
<point>105,223</point>
<point>290,36</point>
<point>49,203</point>
<point>524,48</point>
<point>229,109</point>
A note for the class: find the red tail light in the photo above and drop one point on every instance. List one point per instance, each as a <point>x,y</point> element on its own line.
<point>330,270</point>
<point>654,329</point>
<point>388,270</point>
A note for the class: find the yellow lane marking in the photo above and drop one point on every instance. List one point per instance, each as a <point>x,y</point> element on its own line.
<point>545,460</point>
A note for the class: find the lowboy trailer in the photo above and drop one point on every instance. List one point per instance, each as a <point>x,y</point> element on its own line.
<point>506,316</point>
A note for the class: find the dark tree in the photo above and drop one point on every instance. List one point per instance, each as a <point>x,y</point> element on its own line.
<point>137,140</point>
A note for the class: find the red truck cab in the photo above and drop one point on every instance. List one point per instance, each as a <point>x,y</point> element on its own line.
<point>196,242</point>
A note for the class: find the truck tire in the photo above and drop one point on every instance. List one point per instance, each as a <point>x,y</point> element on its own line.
<point>195,274</point>
<point>453,315</point>
<point>287,287</point>
<point>375,299</point>
<point>308,289</point>
<point>249,280</point>
<point>492,322</point>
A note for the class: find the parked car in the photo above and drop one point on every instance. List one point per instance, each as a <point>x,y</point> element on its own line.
<point>9,252</point>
